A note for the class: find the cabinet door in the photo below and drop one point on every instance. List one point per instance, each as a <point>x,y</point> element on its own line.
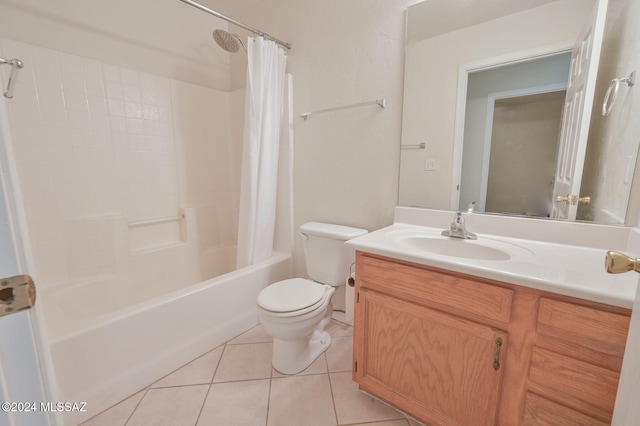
<point>440,368</point>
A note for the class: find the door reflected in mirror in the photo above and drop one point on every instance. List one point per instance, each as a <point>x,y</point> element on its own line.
<point>512,121</point>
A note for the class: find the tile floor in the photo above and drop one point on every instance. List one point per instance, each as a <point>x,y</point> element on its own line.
<point>235,384</point>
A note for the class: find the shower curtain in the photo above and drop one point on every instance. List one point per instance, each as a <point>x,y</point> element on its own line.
<point>263,116</point>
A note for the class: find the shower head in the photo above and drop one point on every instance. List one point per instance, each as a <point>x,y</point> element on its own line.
<point>229,42</point>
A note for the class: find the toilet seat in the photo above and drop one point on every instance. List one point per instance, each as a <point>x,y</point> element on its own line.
<point>295,296</point>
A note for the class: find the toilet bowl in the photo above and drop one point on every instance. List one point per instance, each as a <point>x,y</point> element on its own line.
<point>296,311</point>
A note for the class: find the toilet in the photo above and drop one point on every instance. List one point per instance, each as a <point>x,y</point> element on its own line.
<point>296,311</point>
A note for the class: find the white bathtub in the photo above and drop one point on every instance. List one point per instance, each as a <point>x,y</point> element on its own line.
<point>107,345</point>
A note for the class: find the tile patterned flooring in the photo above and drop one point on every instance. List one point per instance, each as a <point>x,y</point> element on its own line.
<point>235,384</point>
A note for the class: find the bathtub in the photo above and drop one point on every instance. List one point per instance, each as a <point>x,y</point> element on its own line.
<point>107,344</point>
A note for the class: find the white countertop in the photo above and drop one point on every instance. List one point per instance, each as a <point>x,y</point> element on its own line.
<point>571,270</point>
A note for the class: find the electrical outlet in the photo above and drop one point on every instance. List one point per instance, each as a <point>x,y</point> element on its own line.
<point>431,165</point>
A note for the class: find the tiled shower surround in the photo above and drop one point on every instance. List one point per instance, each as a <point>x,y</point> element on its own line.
<point>99,146</point>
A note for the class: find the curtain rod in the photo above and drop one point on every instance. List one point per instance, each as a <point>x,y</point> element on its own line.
<point>239,24</point>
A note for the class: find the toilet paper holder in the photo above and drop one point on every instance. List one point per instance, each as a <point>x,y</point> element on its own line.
<point>351,281</point>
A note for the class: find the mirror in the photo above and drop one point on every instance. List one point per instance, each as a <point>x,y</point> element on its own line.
<point>446,163</point>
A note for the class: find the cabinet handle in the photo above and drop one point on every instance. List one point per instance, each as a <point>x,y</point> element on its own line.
<point>496,361</point>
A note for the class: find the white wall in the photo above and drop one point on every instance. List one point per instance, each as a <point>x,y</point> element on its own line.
<point>613,140</point>
<point>431,81</point>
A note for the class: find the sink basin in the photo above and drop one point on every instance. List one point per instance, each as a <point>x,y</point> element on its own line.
<point>481,249</point>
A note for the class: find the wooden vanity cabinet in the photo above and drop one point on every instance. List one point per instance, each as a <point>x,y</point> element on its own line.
<point>451,349</point>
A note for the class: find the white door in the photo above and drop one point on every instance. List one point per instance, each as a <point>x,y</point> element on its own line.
<point>21,388</point>
<point>21,383</point>
<point>576,115</point>
<point>627,408</point>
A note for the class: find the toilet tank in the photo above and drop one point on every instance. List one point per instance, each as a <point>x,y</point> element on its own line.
<point>326,256</point>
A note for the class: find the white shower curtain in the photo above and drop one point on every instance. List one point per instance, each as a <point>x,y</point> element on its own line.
<point>263,116</point>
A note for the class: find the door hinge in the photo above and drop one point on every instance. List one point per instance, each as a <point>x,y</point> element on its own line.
<point>358,297</point>
<point>355,367</point>
<point>16,294</point>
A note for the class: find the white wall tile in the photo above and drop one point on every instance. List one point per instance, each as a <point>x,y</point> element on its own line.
<point>58,137</point>
<point>76,101</point>
<point>97,104</point>
<point>73,82</point>
<point>29,135</point>
<point>50,95</point>
<point>132,109</point>
<point>54,115</point>
<point>80,138</point>
<point>47,231</point>
<point>92,68</point>
<point>22,113</point>
<point>135,126</point>
<point>95,85</point>
<point>113,89</point>
<point>131,93</point>
<point>96,140</point>
<point>46,67</point>
<point>70,64</point>
<point>51,265</point>
<point>32,154</point>
<point>79,119</point>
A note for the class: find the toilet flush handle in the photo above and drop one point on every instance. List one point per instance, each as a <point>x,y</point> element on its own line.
<point>304,236</point>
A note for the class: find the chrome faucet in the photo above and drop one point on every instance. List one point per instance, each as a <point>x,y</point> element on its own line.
<point>458,228</point>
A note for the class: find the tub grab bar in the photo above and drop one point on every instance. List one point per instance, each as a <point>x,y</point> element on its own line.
<point>156,221</point>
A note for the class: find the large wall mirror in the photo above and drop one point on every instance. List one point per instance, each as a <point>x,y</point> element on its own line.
<point>485,93</point>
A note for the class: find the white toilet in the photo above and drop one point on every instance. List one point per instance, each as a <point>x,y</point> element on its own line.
<point>296,311</point>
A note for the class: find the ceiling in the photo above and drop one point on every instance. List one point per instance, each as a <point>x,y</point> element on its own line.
<point>230,8</point>
<point>172,39</point>
<point>431,18</point>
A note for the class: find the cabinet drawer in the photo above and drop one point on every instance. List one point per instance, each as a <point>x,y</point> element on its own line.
<point>542,412</point>
<point>448,292</point>
<point>585,333</point>
<point>576,384</point>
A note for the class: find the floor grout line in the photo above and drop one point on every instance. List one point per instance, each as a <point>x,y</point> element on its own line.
<point>271,376</point>
<point>215,370</point>
<point>204,401</point>
<point>266,420</point>
<point>333,398</point>
<point>146,391</point>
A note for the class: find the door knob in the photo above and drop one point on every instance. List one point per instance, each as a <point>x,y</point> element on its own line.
<point>617,263</point>
<point>16,293</point>
<point>573,199</point>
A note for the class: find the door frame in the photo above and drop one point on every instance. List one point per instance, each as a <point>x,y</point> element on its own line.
<point>488,128</point>
<point>32,319</point>
<point>463,76</point>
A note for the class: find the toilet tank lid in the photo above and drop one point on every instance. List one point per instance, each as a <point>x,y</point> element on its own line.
<point>329,230</point>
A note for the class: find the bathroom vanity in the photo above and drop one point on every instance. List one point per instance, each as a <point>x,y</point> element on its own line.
<point>507,332</point>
